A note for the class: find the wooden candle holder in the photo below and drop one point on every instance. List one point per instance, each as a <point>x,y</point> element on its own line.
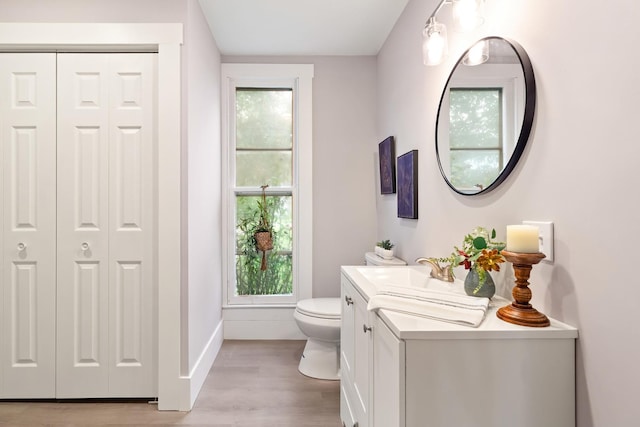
<point>520,311</point>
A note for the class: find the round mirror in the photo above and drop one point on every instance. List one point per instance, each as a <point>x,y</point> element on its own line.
<point>485,115</point>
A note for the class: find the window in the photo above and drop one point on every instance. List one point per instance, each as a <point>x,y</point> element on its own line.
<point>475,136</point>
<point>267,133</point>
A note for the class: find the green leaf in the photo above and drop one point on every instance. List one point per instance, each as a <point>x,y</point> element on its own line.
<point>479,243</point>
<point>493,233</point>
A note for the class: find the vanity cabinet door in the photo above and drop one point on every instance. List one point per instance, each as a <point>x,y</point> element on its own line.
<point>355,355</point>
<point>362,359</point>
<point>346,413</point>
<point>347,339</point>
<point>388,377</point>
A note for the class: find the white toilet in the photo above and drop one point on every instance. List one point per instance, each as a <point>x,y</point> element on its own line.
<point>319,320</point>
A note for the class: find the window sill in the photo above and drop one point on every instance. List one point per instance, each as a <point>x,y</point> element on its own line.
<point>250,306</point>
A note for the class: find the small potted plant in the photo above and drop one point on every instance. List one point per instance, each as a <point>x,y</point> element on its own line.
<point>384,249</point>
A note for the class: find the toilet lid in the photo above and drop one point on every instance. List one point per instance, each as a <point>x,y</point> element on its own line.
<point>327,308</point>
<point>373,259</point>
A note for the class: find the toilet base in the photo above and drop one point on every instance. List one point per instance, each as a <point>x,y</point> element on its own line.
<point>321,360</point>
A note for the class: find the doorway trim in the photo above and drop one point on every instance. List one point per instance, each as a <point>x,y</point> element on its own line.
<point>166,40</point>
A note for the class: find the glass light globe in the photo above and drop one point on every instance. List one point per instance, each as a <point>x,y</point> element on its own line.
<point>434,43</point>
<point>467,14</point>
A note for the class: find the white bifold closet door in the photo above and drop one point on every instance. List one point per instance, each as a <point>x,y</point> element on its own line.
<point>105,298</point>
<point>77,294</point>
<point>28,232</point>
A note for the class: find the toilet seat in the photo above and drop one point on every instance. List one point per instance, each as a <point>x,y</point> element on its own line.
<point>323,308</point>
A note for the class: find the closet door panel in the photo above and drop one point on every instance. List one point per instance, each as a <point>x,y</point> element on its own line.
<point>105,221</point>
<point>83,226</point>
<point>133,359</point>
<point>28,191</point>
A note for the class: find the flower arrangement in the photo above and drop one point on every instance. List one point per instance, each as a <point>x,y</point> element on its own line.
<point>479,252</point>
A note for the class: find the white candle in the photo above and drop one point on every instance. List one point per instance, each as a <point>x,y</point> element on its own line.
<point>523,239</point>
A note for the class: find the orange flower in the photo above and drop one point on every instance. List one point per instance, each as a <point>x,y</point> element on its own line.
<point>490,260</point>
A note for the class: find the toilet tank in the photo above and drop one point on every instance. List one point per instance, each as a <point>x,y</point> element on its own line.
<point>370,258</point>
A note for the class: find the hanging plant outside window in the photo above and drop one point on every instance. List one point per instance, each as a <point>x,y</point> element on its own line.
<point>263,234</point>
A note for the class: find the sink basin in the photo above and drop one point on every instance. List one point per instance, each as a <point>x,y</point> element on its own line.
<point>413,276</point>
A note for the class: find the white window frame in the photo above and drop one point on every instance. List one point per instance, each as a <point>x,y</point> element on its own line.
<point>299,78</point>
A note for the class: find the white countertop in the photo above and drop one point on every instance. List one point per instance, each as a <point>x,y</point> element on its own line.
<point>408,327</point>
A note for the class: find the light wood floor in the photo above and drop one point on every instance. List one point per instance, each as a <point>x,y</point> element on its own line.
<point>251,384</point>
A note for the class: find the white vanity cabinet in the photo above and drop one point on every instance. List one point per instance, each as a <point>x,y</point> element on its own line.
<point>427,373</point>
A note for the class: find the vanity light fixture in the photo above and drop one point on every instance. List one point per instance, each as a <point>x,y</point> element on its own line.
<point>467,15</point>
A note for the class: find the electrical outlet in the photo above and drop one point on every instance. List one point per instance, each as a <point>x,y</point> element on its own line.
<point>546,237</point>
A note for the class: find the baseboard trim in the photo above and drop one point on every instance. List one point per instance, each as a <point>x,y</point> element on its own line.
<point>262,330</point>
<point>193,383</point>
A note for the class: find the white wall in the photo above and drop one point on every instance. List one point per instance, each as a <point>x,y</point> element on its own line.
<point>202,328</point>
<point>344,99</point>
<point>343,167</point>
<point>578,171</point>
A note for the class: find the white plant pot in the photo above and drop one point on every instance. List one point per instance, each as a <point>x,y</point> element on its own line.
<point>384,253</point>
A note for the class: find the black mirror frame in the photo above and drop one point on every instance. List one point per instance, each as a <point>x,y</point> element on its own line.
<point>527,120</point>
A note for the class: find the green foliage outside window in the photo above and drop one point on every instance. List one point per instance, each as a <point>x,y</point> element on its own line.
<point>277,279</point>
<point>264,137</point>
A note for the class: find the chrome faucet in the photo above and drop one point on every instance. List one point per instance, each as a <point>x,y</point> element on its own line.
<point>438,272</point>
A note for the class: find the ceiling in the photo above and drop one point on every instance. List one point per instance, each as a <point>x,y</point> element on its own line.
<point>301,27</point>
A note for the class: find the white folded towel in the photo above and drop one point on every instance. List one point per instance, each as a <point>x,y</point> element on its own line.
<point>444,306</point>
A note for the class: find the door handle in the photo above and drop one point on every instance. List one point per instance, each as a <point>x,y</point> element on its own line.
<point>21,247</point>
<point>366,328</point>
<point>348,299</point>
<point>85,246</point>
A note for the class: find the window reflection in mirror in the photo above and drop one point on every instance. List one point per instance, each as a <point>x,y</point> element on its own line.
<point>475,136</point>
<point>485,118</point>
